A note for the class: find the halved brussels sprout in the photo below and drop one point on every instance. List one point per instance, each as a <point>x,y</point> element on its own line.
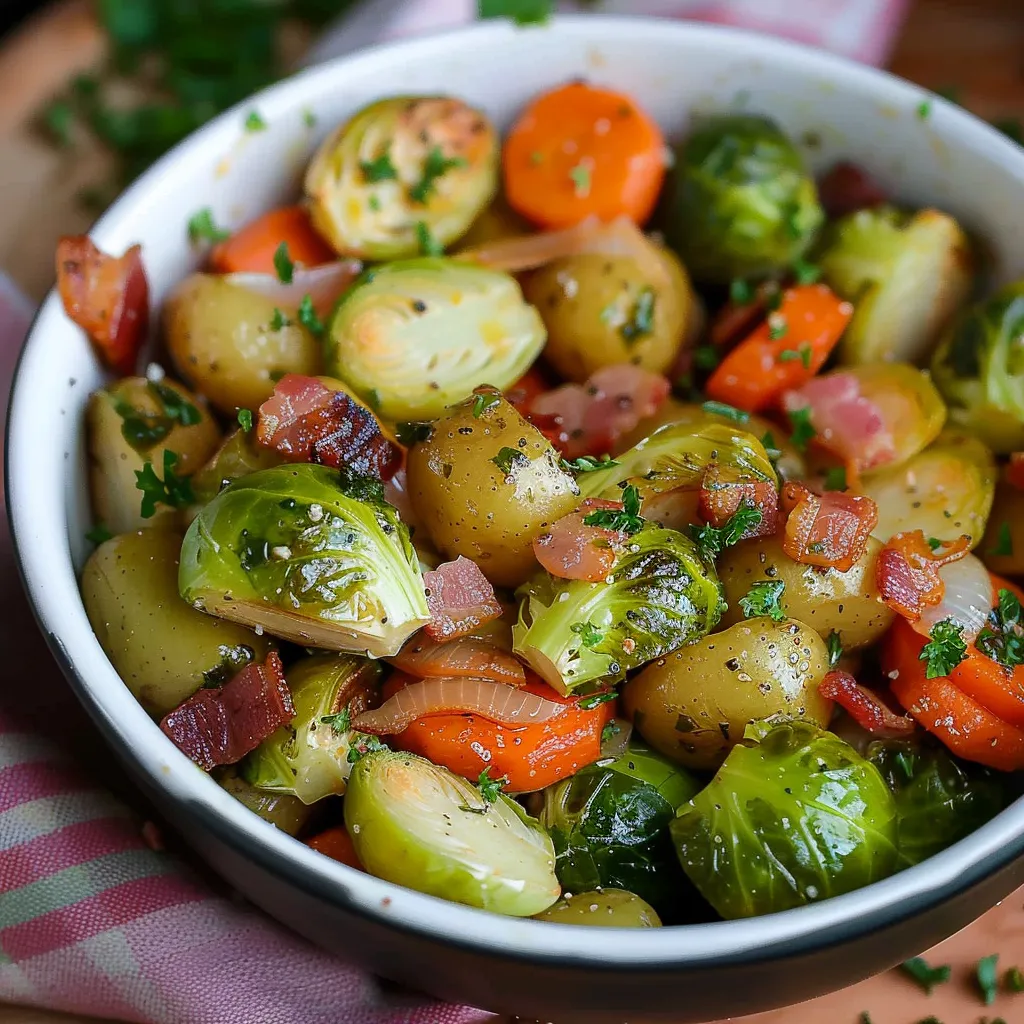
<point>939,799</point>
<point>287,812</point>
<point>414,337</point>
<point>979,369</point>
<point>609,824</point>
<point>946,490</point>
<point>421,826</point>
<point>603,310</point>
<point>741,202</point>
<point>310,556</point>
<point>238,456</point>
<point>485,484</point>
<point>308,757</point>
<point>668,467</point>
<point>906,273</point>
<point>795,815</point>
<point>662,594</point>
<point>399,166</point>
<point>694,704</point>
<point>602,908</point>
<point>130,423</point>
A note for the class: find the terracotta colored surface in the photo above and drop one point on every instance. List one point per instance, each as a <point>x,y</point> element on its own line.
<point>976,45</point>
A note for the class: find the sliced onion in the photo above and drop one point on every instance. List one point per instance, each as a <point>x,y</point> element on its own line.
<point>495,701</point>
<point>468,656</point>
<point>324,284</point>
<point>967,601</point>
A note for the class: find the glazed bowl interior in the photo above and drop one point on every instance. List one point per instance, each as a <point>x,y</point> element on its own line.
<point>675,70</point>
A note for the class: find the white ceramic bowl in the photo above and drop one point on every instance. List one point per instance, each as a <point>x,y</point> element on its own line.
<point>674,70</point>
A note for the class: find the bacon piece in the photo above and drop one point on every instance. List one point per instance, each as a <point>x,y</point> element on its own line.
<point>1015,470</point>
<point>107,296</point>
<point>460,598</point>
<point>572,550</point>
<point>305,421</point>
<point>864,706</point>
<point>846,423</point>
<point>466,656</point>
<point>724,489</point>
<point>830,530</point>
<point>220,726</point>
<point>846,188</point>
<point>587,419</point>
<point>907,571</point>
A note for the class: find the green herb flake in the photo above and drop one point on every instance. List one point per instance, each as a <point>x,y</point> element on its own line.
<point>705,357</point>
<point>1002,637</point>
<point>412,433</point>
<point>594,700</point>
<point>379,169</point>
<point>1013,980</point>
<point>340,722</point>
<point>925,975</point>
<point>361,745</point>
<point>490,788</point>
<point>835,478</point>
<point>805,272</point>
<point>98,534</point>
<point>589,634</point>
<point>763,599</point>
<point>625,520</point>
<point>374,204</point>
<point>278,322</point>
<point>429,245</point>
<point>865,1017</point>
<point>309,319</point>
<point>509,459</point>
<point>522,12</point>
<point>609,732</point>
<point>804,353</point>
<point>740,292</point>
<point>245,419</point>
<point>803,432</point>
<point>536,159</point>
<point>778,328</point>
<point>283,264</point>
<point>730,412</point>
<point>435,166</point>
<point>1004,541</point>
<point>834,646</point>
<point>924,110</point>
<point>203,228</point>
<point>173,490</point>
<point>641,318</point>
<point>484,400</point>
<point>713,540</point>
<point>934,543</point>
<point>945,649</point>
<point>580,175</point>
<point>308,118</point>
<point>254,122</point>
<point>588,463</point>
<point>987,975</point>
<point>174,406</point>
<point>771,446</point>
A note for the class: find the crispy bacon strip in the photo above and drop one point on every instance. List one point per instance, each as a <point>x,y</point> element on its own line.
<point>907,572</point>
<point>220,726</point>
<point>107,296</point>
<point>572,550</point>
<point>830,530</point>
<point>305,421</point>
<point>460,598</point>
<point>846,188</point>
<point>724,489</point>
<point>864,706</point>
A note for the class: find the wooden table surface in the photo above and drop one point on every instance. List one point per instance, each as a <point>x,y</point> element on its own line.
<point>975,46</point>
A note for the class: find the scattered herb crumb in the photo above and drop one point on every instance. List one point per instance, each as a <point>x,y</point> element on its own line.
<point>283,264</point>
<point>580,175</point>
<point>925,975</point>
<point>245,419</point>
<point>429,245</point>
<point>987,976</point>
<point>803,431</point>
<point>924,110</point>
<point>203,228</point>
<point>483,401</point>
<point>278,322</point>
<point>728,411</point>
<point>255,123</point>
<point>834,645</point>
<point>763,599</point>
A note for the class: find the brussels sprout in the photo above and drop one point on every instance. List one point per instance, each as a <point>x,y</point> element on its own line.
<point>667,468</point>
<point>238,456</point>
<point>398,166</point>
<point>741,203</point>
<point>287,812</point>
<point>310,556</point>
<point>130,423</point>
<point>308,757</point>
<point>421,826</point>
<point>939,799</point>
<point>414,337</point>
<point>661,594</point>
<point>794,817</point>
<point>907,274</point>
<point>979,369</point>
<point>946,490</point>
<point>609,825</point>
<point>603,908</point>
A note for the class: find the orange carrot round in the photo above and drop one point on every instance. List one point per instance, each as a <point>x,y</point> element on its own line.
<point>784,351</point>
<point>579,151</point>
<point>251,249</point>
<point>337,844</point>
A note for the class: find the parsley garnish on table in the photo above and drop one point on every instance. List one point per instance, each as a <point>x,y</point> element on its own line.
<point>924,974</point>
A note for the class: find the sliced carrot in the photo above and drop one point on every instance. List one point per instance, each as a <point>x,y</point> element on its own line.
<point>532,757</point>
<point>337,844</point>
<point>251,250</point>
<point>784,351</point>
<point>580,151</point>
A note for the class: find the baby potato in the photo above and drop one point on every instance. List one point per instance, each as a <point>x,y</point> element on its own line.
<point>604,310</point>
<point>162,649</point>
<point>827,600</point>
<point>283,810</point>
<point>485,484</point>
<point>220,337</point>
<point>130,423</point>
<point>693,704</point>
<point>602,908</point>
<point>1002,548</point>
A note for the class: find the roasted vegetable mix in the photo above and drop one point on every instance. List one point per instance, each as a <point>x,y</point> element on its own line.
<point>523,520</point>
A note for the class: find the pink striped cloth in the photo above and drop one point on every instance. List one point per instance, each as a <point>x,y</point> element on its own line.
<point>94,919</point>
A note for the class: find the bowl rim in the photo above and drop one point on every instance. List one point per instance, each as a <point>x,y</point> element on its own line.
<point>840,918</point>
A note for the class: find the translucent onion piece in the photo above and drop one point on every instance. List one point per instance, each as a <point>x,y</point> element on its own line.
<point>968,598</point>
<point>468,656</point>
<point>324,285</point>
<point>495,701</point>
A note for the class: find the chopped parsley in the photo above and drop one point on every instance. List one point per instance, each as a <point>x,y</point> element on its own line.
<point>740,291</point>
<point>1013,980</point>
<point>609,732</point>
<point>806,273</point>
<point>763,599</point>
<point>374,204</point>
<point>484,400</point>
<point>435,166</point>
<point>778,328</point>
<point>925,975</point>
<point>834,646</point>
<point>279,321</point>
<point>203,228</point>
<point>340,722</point>
<point>309,319</point>
<point>363,744</point>
<point>588,463</point>
<point>728,411</point>
<point>804,353</point>
<point>379,169</point>
<point>143,430</point>
<point>924,110</point>
<point>934,543</point>
<point>580,175</point>
<point>254,122</point>
<point>508,459</point>
<point>173,490</point>
<point>412,433</point>
<point>309,118</point>
<point>1002,638</point>
<point>987,976</point>
<point>835,478</point>
<point>705,357</point>
<point>712,540</point>
<point>1004,541</point>
<point>803,431</point>
<point>283,264</point>
<point>641,318</point>
<point>245,419</point>
<point>594,700</point>
<point>626,520</point>
<point>98,534</point>
<point>589,634</point>
<point>429,245</point>
<point>522,12</point>
<point>490,788</point>
<point>771,446</point>
<point>176,408</point>
<point>944,650</point>
<point>865,1017</point>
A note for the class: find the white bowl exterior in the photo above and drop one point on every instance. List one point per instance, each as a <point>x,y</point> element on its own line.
<point>673,70</point>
